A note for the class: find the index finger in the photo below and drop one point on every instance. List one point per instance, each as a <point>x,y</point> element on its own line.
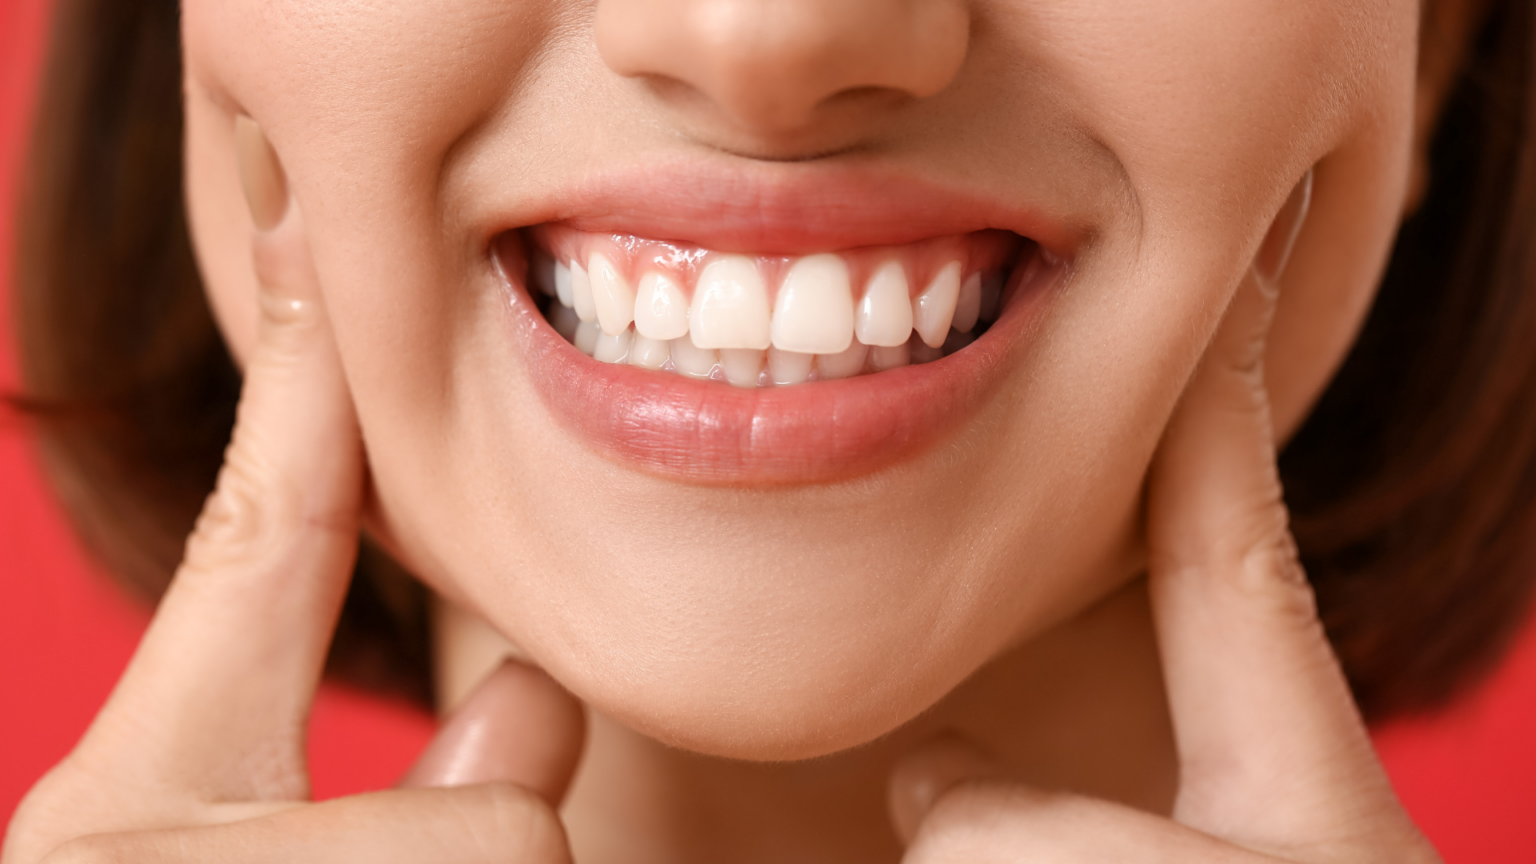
<point>218,694</point>
<point>1271,746</point>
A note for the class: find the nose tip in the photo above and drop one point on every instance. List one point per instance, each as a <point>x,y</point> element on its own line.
<point>769,65</point>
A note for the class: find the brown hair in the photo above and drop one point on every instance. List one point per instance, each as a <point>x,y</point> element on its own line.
<point>1412,484</point>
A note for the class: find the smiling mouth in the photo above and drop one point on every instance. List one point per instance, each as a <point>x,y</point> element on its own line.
<point>815,325</point>
<point>771,321</point>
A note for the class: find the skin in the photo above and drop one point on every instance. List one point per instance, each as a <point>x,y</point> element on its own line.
<point>1133,433</point>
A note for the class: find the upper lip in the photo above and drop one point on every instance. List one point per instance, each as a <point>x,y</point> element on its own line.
<point>786,208</point>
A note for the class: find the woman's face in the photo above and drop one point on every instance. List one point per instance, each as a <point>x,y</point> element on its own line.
<point>783,571</point>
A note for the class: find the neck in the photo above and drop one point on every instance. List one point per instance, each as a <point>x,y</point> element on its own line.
<point>1080,708</point>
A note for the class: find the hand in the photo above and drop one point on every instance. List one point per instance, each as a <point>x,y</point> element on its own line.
<point>199,753</point>
<point>1275,763</point>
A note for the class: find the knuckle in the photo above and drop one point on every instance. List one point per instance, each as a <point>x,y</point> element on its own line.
<point>1273,574</point>
<point>515,825</point>
<point>242,518</point>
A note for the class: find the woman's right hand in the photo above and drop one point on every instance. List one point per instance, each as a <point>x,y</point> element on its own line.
<point>199,754</point>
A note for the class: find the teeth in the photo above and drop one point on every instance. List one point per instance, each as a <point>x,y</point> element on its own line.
<point>968,307</point>
<point>814,310</point>
<point>612,349</point>
<point>883,357</point>
<point>691,360</point>
<point>563,285</point>
<point>885,313</point>
<point>934,309</point>
<point>649,353</point>
<point>742,366</point>
<point>843,365</point>
<point>789,367</point>
<point>586,337</point>
<point>730,306</point>
<point>581,293</point>
<point>612,297</point>
<point>661,311</point>
<point>814,331</point>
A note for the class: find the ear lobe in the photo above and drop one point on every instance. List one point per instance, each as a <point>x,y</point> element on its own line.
<point>261,175</point>
<point>1446,33</point>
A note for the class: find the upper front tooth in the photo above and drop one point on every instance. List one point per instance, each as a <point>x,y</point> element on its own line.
<point>581,293</point>
<point>934,309</point>
<point>968,307</point>
<point>730,306</point>
<point>814,310</point>
<point>563,285</point>
<point>612,297</point>
<point>661,310</point>
<point>885,313</point>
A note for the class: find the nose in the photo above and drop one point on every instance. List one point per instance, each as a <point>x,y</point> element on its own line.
<point>769,65</point>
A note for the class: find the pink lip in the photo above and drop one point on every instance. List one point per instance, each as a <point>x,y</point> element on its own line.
<point>772,208</point>
<point>711,433</point>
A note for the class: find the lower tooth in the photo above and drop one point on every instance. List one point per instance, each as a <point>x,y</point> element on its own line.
<point>649,353</point>
<point>843,365</point>
<point>692,360</point>
<point>883,357</point>
<point>586,337</point>
<point>742,366</point>
<point>789,367</point>
<point>611,349</point>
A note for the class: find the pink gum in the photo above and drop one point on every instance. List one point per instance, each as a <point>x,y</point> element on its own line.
<point>978,252</point>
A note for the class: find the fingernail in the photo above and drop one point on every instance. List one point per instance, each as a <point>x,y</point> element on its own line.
<point>261,175</point>
<point>519,726</point>
<point>923,776</point>
<point>1276,251</point>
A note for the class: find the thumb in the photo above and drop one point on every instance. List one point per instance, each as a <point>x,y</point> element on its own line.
<point>921,778</point>
<point>519,726</point>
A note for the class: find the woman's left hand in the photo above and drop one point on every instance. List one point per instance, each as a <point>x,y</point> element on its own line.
<point>1275,763</point>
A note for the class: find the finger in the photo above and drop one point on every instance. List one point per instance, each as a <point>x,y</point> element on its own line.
<point>923,776</point>
<point>468,825</point>
<point>979,822</point>
<point>218,694</point>
<point>519,726</point>
<point>1271,746</point>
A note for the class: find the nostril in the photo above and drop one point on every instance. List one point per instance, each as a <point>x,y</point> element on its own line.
<point>774,65</point>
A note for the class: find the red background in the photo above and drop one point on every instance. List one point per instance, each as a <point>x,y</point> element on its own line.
<point>1468,775</point>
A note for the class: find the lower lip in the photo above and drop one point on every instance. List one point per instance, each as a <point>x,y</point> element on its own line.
<point>710,433</point>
